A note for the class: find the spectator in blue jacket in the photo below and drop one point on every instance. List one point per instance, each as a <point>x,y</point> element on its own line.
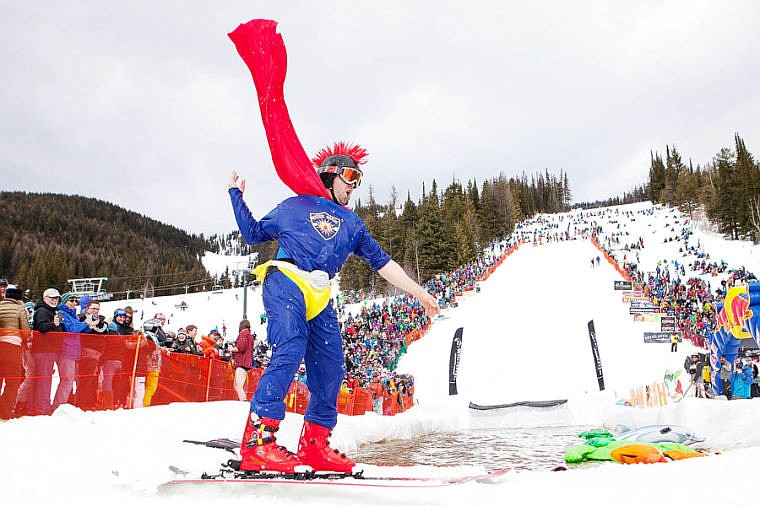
<point>71,347</point>
<point>741,380</point>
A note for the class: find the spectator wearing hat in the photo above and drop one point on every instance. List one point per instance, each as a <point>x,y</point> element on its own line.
<point>184,380</point>
<point>3,287</point>
<point>12,317</point>
<point>46,344</point>
<point>242,358</point>
<point>208,343</point>
<point>182,343</point>
<point>71,347</point>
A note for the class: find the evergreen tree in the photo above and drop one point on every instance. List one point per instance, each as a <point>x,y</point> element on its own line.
<point>452,212</point>
<point>567,194</point>
<point>408,222</point>
<point>673,169</point>
<point>748,177</point>
<point>432,252</point>
<point>488,213</point>
<point>688,191</point>
<point>656,178</point>
<point>725,194</point>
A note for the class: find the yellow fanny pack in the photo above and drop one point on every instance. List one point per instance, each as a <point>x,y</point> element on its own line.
<point>314,285</point>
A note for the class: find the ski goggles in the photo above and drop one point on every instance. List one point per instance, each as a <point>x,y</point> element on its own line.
<point>348,175</point>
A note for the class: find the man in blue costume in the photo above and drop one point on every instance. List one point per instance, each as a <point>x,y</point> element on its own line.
<point>316,236</point>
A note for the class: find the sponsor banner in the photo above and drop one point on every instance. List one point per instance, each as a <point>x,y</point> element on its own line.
<point>647,317</point>
<point>660,337</point>
<point>668,324</point>
<point>643,306</point>
<point>595,352</point>
<point>623,285</point>
<point>456,353</point>
<point>628,296</point>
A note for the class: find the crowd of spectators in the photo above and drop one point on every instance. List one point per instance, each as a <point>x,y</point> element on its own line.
<point>375,338</point>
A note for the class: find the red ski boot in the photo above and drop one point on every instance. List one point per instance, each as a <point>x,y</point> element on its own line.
<point>314,450</point>
<point>260,452</point>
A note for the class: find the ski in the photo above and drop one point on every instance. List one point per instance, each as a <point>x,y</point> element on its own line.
<point>222,443</point>
<point>230,474</point>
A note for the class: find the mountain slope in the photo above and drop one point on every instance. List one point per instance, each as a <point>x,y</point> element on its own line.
<point>46,239</point>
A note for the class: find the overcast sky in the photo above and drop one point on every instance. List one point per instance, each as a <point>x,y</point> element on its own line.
<point>146,104</point>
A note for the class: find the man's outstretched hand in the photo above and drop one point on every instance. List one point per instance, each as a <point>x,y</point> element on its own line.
<point>236,182</point>
<point>430,303</point>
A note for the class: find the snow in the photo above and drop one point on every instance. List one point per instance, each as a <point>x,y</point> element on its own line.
<point>216,263</point>
<point>525,338</point>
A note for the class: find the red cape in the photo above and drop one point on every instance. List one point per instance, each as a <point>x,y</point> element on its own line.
<point>263,51</point>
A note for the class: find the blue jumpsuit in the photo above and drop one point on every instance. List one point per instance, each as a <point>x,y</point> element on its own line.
<point>316,234</point>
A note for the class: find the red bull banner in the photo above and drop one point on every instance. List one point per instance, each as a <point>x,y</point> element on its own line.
<point>738,319</point>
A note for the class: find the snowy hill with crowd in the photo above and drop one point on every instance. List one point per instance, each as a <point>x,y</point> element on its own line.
<point>525,338</point>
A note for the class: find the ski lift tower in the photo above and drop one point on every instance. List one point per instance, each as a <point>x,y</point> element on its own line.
<point>92,287</point>
<point>243,269</point>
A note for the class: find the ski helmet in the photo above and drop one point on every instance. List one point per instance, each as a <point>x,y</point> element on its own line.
<point>343,160</point>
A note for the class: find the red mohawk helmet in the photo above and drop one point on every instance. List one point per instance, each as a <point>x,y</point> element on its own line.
<point>342,160</point>
<point>341,154</point>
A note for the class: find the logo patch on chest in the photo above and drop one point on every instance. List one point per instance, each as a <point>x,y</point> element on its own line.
<point>325,224</point>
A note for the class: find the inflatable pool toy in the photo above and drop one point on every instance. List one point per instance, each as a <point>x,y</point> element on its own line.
<point>637,453</point>
<point>651,444</point>
<point>661,434</point>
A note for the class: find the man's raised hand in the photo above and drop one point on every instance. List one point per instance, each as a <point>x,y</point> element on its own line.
<point>236,182</point>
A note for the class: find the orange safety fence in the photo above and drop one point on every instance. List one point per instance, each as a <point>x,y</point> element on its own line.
<point>116,371</point>
<point>611,260</point>
<point>500,261</point>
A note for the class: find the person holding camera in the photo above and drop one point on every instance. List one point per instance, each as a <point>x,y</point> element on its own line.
<point>93,345</point>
